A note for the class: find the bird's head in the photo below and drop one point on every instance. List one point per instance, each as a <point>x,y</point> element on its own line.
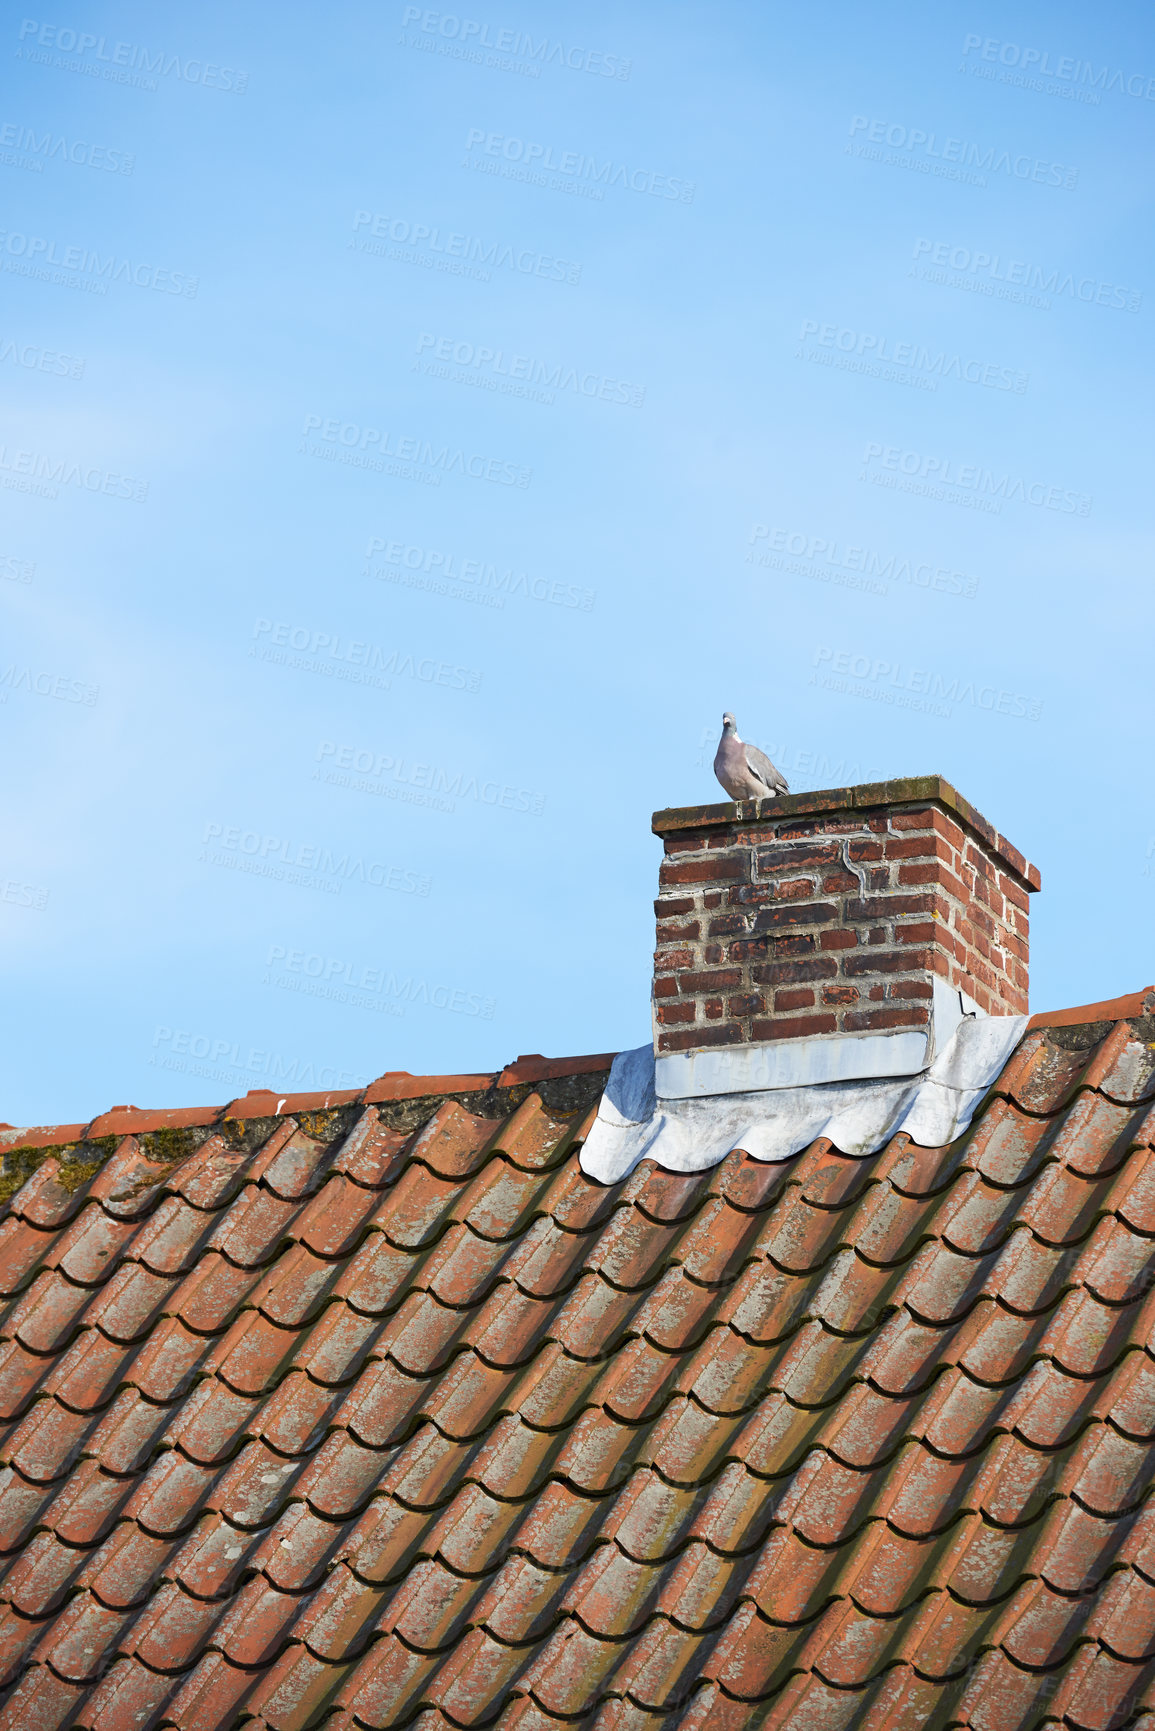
<point>728,723</point>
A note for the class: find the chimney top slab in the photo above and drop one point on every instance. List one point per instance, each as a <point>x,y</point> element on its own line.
<point>914,790</point>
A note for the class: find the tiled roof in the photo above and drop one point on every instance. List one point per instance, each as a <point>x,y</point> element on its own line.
<point>380,1413</point>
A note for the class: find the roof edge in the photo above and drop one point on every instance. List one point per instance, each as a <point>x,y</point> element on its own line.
<point>1141,1003</point>
<point>530,1068</point>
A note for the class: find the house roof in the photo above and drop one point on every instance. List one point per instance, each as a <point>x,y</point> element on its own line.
<point>373,1410</point>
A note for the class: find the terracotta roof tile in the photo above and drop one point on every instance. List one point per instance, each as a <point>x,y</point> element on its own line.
<point>374,1410</point>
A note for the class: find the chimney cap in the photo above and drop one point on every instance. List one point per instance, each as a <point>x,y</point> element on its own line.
<point>913,790</point>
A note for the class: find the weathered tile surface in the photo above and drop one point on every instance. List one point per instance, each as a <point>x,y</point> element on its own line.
<point>381,1414</point>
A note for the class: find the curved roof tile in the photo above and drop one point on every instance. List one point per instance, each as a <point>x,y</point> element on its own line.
<point>373,1411</point>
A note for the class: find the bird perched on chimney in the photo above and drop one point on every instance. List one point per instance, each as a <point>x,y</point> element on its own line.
<point>744,771</point>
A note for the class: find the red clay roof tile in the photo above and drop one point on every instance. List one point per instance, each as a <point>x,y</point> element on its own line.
<point>375,1424</point>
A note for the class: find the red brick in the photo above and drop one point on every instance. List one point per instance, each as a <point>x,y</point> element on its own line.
<point>951,882</point>
<point>838,883</point>
<point>954,887</point>
<point>796,946</point>
<point>746,1004</point>
<point>748,949</point>
<point>671,1013</point>
<point>670,960</point>
<point>666,907</point>
<point>841,938</point>
<point>797,858</point>
<point>701,871</point>
<point>886,962</point>
<point>713,955</point>
<point>793,1028</point>
<point>665,986</point>
<point>715,980</point>
<point>753,835</point>
<point>806,914</point>
<point>840,994</point>
<point>792,890</point>
<point>986,891</point>
<point>794,999</point>
<point>670,932</point>
<point>919,819</point>
<point>688,1039</point>
<point>887,907</point>
<point>947,828</point>
<point>924,845</point>
<point>726,925</point>
<point>751,895</point>
<point>910,989</point>
<point>791,973</point>
<point>862,1021</point>
<point>714,1009</point>
<point>1015,894</point>
<point>927,873</point>
<point>918,932</point>
<point>863,851</point>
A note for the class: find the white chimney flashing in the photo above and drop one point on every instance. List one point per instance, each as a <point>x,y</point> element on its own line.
<point>688,1133</point>
<point>774,1064</point>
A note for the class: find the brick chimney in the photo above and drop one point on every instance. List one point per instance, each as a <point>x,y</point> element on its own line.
<point>832,935</point>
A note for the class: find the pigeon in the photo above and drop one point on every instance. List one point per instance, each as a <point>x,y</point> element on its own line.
<point>744,771</point>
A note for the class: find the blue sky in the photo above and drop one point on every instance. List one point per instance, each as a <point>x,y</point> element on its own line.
<point>418,426</point>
